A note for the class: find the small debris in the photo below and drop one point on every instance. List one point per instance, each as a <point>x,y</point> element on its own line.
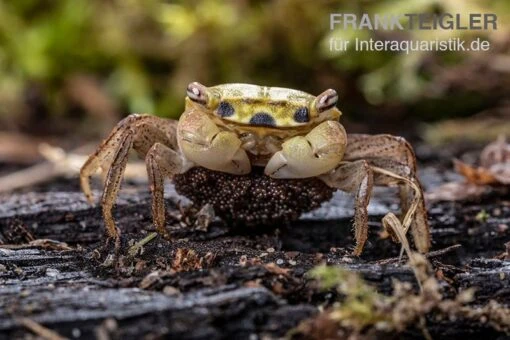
<point>502,227</point>
<point>478,176</point>
<point>204,217</point>
<point>40,243</point>
<point>319,257</point>
<point>105,330</point>
<point>76,333</point>
<point>18,270</point>
<point>109,261</point>
<point>137,248</point>
<point>277,288</point>
<point>291,254</point>
<point>496,158</point>
<point>187,260</point>
<point>457,191</point>
<point>253,284</point>
<point>429,255</point>
<point>506,254</point>
<point>275,269</point>
<point>52,272</point>
<point>243,260</point>
<point>49,244</point>
<point>58,163</point>
<point>171,291</point>
<point>25,293</point>
<point>493,171</point>
<point>482,216</point>
<point>140,265</point>
<point>40,330</point>
<point>152,278</point>
<point>17,233</point>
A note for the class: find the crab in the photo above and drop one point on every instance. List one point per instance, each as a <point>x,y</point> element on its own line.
<point>284,135</point>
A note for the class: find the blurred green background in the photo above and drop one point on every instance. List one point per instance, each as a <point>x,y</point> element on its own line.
<point>76,67</point>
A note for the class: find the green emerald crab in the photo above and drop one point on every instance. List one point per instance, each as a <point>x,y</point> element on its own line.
<point>284,135</point>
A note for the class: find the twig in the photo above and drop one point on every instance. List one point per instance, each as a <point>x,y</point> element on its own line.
<point>408,218</point>
<point>429,255</point>
<point>59,163</point>
<point>104,330</point>
<point>43,243</point>
<point>133,250</point>
<point>390,221</point>
<point>423,327</point>
<point>40,330</point>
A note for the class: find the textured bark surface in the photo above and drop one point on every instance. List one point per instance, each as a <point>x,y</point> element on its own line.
<point>221,283</point>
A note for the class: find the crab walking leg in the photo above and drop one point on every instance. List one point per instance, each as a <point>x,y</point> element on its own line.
<point>307,156</point>
<point>385,151</point>
<point>395,156</point>
<point>139,132</point>
<point>113,180</point>
<point>147,126</point>
<point>383,146</point>
<point>355,178</point>
<point>203,143</point>
<point>162,162</point>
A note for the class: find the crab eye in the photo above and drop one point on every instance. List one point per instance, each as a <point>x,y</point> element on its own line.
<point>326,100</point>
<point>197,93</point>
<point>302,115</point>
<point>225,109</point>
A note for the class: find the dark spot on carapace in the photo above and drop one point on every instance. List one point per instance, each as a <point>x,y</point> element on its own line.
<point>262,119</point>
<point>225,109</point>
<point>302,115</point>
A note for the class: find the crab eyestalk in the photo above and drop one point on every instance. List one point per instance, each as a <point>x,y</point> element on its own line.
<point>325,101</point>
<point>202,95</point>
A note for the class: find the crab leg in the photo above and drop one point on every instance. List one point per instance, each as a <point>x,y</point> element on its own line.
<point>387,152</point>
<point>113,180</point>
<point>394,163</point>
<point>355,178</point>
<point>103,157</point>
<point>316,153</point>
<point>139,132</point>
<point>162,162</point>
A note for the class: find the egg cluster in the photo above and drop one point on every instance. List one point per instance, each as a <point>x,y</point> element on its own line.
<point>253,199</point>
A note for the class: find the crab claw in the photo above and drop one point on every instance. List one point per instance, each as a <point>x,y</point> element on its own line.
<point>203,143</point>
<point>312,155</point>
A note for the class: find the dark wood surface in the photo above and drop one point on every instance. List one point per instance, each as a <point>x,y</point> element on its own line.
<point>228,283</point>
